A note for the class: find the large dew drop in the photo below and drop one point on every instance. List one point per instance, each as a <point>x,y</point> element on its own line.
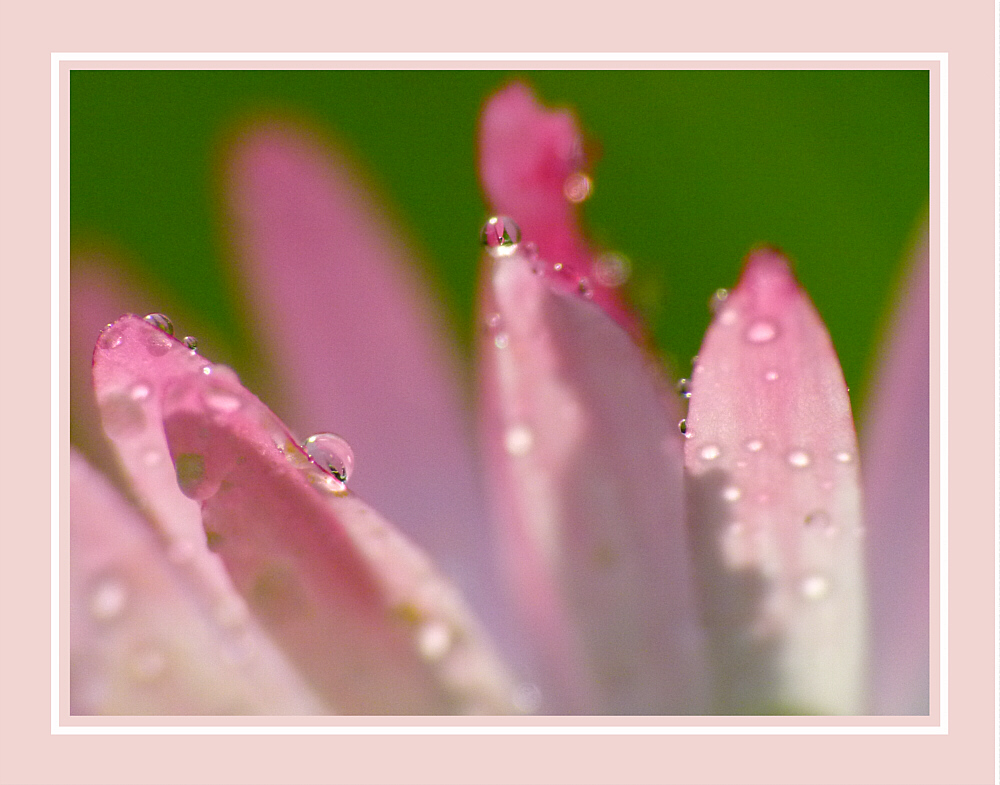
<point>161,322</point>
<point>332,454</point>
<point>500,236</point>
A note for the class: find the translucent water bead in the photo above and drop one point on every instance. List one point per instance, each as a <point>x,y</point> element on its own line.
<point>332,454</point>
<point>500,236</point>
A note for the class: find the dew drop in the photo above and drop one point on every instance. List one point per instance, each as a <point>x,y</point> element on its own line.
<point>500,236</point>
<point>122,415</point>
<point>710,452</point>
<point>191,342</point>
<point>682,426</point>
<point>755,445</point>
<point>731,493</point>
<point>108,599</point>
<point>612,269</point>
<point>761,332</point>
<point>157,344</point>
<point>719,296</point>
<point>799,458</point>
<point>160,321</point>
<point>771,376</point>
<point>501,340</point>
<point>110,338</point>
<point>518,440</point>
<point>577,187</point>
<point>684,388</point>
<point>434,640</point>
<point>332,454</point>
<point>814,587</point>
<point>583,287</point>
<point>843,457</point>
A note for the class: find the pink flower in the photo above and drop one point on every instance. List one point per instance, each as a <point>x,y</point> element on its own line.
<point>580,554</point>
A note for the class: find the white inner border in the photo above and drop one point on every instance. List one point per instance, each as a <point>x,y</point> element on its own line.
<point>543,730</point>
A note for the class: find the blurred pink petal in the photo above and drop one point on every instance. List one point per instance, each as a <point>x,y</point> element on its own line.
<point>533,169</point>
<point>774,504</point>
<point>143,640</point>
<point>361,345</point>
<point>896,450</point>
<point>360,612</point>
<point>585,462</point>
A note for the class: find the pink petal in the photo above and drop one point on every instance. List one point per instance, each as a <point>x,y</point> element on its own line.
<point>532,166</point>
<point>340,308</point>
<point>774,503</point>
<point>896,449</point>
<point>360,612</point>
<point>586,468</point>
<point>143,640</point>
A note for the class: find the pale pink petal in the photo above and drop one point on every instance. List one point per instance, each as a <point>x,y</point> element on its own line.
<point>143,640</point>
<point>335,296</point>
<point>586,467</point>
<point>774,504</point>
<point>896,450</point>
<point>533,168</point>
<point>361,612</point>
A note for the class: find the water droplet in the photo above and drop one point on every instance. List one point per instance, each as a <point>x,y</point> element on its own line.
<point>501,340</point>
<point>500,236</point>
<point>332,454</point>
<point>494,323</point>
<point>762,332</point>
<point>518,440</point>
<point>577,187</point>
<point>820,521</point>
<point>710,452</point>
<point>110,338</point>
<point>157,344</point>
<point>771,376</point>
<point>682,426</point>
<point>434,640</point>
<point>108,599</point>
<point>684,388</point>
<point>121,415</point>
<point>558,266</point>
<point>843,457</point>
<point>719,296</point>
<point>148,664</point>
<point>612,269</point>
<point>527,698</point>
<point>584,288</point>
<point>755,445</point>
<point>191,342</point>
<point>814,587</point>
<point>731,493</point>
<point>220,371</point>
<point>799,458</point>
<point>161,322</point>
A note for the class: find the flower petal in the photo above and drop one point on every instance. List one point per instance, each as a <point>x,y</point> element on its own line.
<point>142,640</point>
<point>774,504</point>
<point>532,166</point>
<point>358,609</point>
<point>340,308</point>
<point>586,467</point>
<point>896,449</point>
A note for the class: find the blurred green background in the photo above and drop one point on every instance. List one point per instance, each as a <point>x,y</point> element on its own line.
<point>697,167</point>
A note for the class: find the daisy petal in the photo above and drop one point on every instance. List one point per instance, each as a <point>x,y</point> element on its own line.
<point>359,610</point>
<point>896,450</point>
<point>774,504</point>
<point>586,467</point>
<point>333,287</point>
<point>142,640</point>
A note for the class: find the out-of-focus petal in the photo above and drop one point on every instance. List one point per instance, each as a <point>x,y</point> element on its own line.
<point>896,449</point>
<point>774,505</point>
<point>533,169</point>
<point>142,640</point>
<point>334,294</point>
<point>359,610</point>
<point>586,466</point>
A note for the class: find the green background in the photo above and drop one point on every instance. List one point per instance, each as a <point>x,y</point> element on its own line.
<point>696,168</point>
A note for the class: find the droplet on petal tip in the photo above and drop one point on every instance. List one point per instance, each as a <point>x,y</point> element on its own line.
<point>332,454</point>
<point>500,236</point>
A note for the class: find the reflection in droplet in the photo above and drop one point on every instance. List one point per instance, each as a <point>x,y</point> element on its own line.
<point>161,322</point>
<point>799,458</point>
<point>108,599</point>
<point>500,236</point>
<point>761,332</point>
<point>518,440</point>
<point>331,453</point>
